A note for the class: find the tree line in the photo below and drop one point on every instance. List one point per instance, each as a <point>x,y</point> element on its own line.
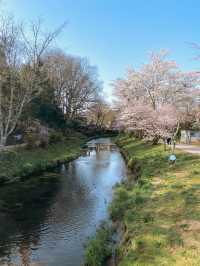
<point>40,81</point>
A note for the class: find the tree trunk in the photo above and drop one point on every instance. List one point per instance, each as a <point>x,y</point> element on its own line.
<point>174,137</point>
<point>188,136</point>
<point>3,141</point>
<point>164,142</point>
<point>173,145</point>
<point>155,140</point>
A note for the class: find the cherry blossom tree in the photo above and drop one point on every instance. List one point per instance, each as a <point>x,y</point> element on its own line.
<point>156,124</point>
<point>151,99</point>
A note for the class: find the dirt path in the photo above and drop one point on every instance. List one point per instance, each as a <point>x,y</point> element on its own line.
<point>12,147</point>
<point>189,148</point>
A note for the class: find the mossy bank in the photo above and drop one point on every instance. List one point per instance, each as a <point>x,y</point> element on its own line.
<point>22,163</point>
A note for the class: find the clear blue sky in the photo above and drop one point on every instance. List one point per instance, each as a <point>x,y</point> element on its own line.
<point>114,34</point>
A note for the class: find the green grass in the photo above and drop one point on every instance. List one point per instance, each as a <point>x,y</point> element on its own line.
<point>99,248</point>
<point>160,212</point>
<point>22,163</point>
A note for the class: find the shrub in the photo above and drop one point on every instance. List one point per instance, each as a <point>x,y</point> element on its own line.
<point>135,168</point>
<point>37,135</point>
<point>32,140</point>
<point>99,248</point>
<point>56,137</point>
<point>131,163</point>
<point>25,170</point>
<point>120,203</point>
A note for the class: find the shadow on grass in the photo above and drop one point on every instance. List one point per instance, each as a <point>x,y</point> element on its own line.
<point>157,213</point>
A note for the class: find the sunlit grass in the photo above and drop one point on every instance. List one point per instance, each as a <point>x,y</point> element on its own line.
<point>23,162</point>
<point>161,211</point>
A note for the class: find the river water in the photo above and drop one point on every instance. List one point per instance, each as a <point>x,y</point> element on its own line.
<point>48,222</point>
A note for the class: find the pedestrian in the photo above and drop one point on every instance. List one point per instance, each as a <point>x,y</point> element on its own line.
<point>169,141</point>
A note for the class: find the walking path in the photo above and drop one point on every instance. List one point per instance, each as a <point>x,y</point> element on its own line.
<point>12,147</point>
<point>189,148</point>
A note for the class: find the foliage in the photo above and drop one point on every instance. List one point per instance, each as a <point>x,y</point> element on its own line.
<point>32,140</point>
<point>23,162</point>
<point>75,82</point>
<point>55,137</point>
<point>8,155</point>
<point>157,98</point>
<point>101,115</point>
<point>45,109</point>
<point>21,69</point>
<point>37,82</point>
<point>160,211</point>
<point>99,248</point>
<point>37,135</point>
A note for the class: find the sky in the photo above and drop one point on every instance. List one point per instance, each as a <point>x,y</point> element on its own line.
<point>116,34</point>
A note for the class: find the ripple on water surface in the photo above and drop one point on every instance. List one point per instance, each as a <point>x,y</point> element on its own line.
<point>53,220</point>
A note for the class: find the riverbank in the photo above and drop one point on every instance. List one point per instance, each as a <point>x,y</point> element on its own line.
<point>159,211</point>
<point>21,163</point>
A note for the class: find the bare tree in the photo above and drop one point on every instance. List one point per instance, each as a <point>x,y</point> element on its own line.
<point>101,114</point>
<point>75,81</point>
<point>20,69</point>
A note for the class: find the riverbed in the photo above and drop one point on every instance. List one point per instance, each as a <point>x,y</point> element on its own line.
<point>46,221</point>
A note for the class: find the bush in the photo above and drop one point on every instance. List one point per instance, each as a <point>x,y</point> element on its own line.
<point>131,163</point>
<point>120,203</point>
<point>56,137</point>
<point>32,140</point>
<point>27,169</point>
<point>99,248</point>
<point>37,135</point>
<point>135,168</point>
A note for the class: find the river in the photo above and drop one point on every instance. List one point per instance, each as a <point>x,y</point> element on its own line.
<point>46,221</point>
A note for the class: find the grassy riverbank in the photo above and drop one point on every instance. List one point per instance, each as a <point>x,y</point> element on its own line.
<point>99,248</point>
<point>160,212</point>
<point>22,162</point>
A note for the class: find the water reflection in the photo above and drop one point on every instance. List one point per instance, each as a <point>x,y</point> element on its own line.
<point>48,223</point>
